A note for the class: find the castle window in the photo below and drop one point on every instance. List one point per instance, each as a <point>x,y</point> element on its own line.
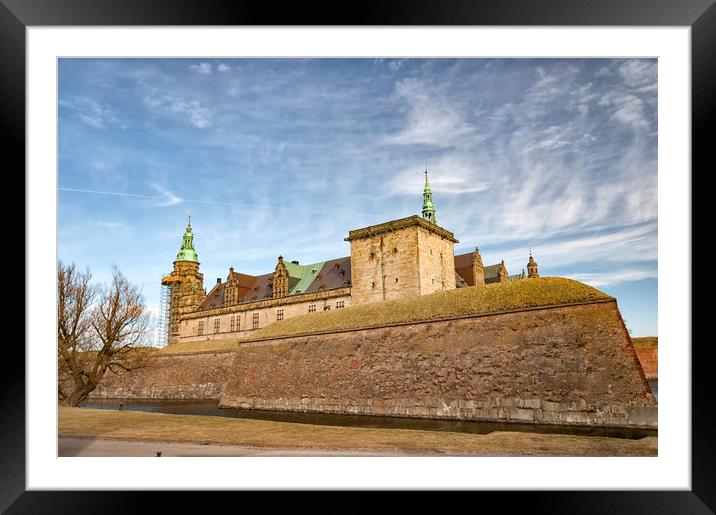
<point>233,323</point>
<point>396,279</point>
<point>200,330</point>
<point>255,321</point>
<point>279,314</point>
<point>217,325</point>
<point>327,307</point>
<point>373,285</point>
<point>312,308</point>
<point>340,305</point>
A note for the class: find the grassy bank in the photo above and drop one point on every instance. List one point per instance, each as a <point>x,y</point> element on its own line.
<point>646,342</point>
<point>545,291</point>
<point>127,425</point>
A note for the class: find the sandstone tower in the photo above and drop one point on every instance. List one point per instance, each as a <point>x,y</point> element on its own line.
<point>401,258</point>
<point>186,283</point>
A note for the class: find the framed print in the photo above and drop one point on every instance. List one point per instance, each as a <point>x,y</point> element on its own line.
<point>94,84</point>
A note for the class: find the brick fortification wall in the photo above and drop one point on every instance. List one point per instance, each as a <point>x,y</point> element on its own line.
<point>649,361</point>
<point>179,376</point>
<point>565,365</point>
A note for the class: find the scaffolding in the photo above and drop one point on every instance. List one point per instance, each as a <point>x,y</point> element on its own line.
<point>164,302</point>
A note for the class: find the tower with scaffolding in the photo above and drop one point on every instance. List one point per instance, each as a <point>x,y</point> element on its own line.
<point>182,289</point>
<point>164,304</point>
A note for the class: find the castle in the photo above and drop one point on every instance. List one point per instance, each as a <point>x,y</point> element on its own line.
<point>405,257</point>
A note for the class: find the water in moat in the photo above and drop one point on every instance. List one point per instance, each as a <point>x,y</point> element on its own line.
<point>211,408</point>
<point>655,388</point>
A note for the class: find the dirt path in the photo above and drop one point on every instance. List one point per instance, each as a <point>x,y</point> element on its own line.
<point>70,447</point>
<point>124,433</point>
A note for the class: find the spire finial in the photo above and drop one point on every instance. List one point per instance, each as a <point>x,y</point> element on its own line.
<point>428,206</point>
<point>187,252</point>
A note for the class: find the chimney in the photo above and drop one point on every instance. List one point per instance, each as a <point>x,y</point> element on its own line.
<point>218,280</point>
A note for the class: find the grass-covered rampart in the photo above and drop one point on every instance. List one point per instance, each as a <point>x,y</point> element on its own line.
<point>475,300</point>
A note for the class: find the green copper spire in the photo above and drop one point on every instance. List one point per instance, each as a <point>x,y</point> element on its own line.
<point>428,206</point>
<point>187,252</point>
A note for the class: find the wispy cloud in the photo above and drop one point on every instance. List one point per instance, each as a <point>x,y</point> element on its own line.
<point>284,156</point>
<point>448,175</point>
<point>608,278</point>
<point>168,198</point>
<point>430,119</point>
<point>111,225</point>
<point>198,114</point>
<point>201,68</point>
<point>89,111</point>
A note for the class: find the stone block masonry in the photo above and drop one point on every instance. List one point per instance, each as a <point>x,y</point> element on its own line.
<point>559,365</point>
<point>649,359</point>
<point>178,376</point>
<point>562,365</point>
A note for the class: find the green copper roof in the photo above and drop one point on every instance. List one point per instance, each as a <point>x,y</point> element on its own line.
<point>187,252</point>
<point>428,206</point>
<point>305,274</point>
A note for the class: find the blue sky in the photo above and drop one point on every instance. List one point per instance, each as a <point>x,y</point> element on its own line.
<point>285,156</point>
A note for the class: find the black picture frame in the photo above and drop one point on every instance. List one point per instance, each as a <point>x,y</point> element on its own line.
<point>17,15</point>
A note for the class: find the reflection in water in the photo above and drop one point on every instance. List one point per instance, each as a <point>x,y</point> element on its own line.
<point>654,388</point>
<point>211,408</point>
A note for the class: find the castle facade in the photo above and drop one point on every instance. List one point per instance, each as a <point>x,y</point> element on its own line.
<point>404,257</point>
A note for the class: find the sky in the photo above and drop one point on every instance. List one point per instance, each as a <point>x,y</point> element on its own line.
<point>285,156</point>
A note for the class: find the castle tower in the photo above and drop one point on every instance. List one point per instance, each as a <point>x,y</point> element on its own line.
<point>532,270</point>
<point>402,258</point>
<point>280,279</point>
<point>186,283</point>
<point>428,206</point>
<point>478,269</point>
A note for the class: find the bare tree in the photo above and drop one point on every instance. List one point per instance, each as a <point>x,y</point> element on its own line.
<point>99,329</point>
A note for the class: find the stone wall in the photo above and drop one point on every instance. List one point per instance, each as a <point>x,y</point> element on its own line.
<point>384,266</point>
<point>564,365</point>
<point>436,262</point>
<point>178,376</point>
<point>649,359</point>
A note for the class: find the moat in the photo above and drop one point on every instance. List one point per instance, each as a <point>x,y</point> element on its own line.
<point>211,408</point>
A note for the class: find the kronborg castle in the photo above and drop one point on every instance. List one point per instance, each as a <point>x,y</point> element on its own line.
<point>406,257</point>
<point>422,338</point>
